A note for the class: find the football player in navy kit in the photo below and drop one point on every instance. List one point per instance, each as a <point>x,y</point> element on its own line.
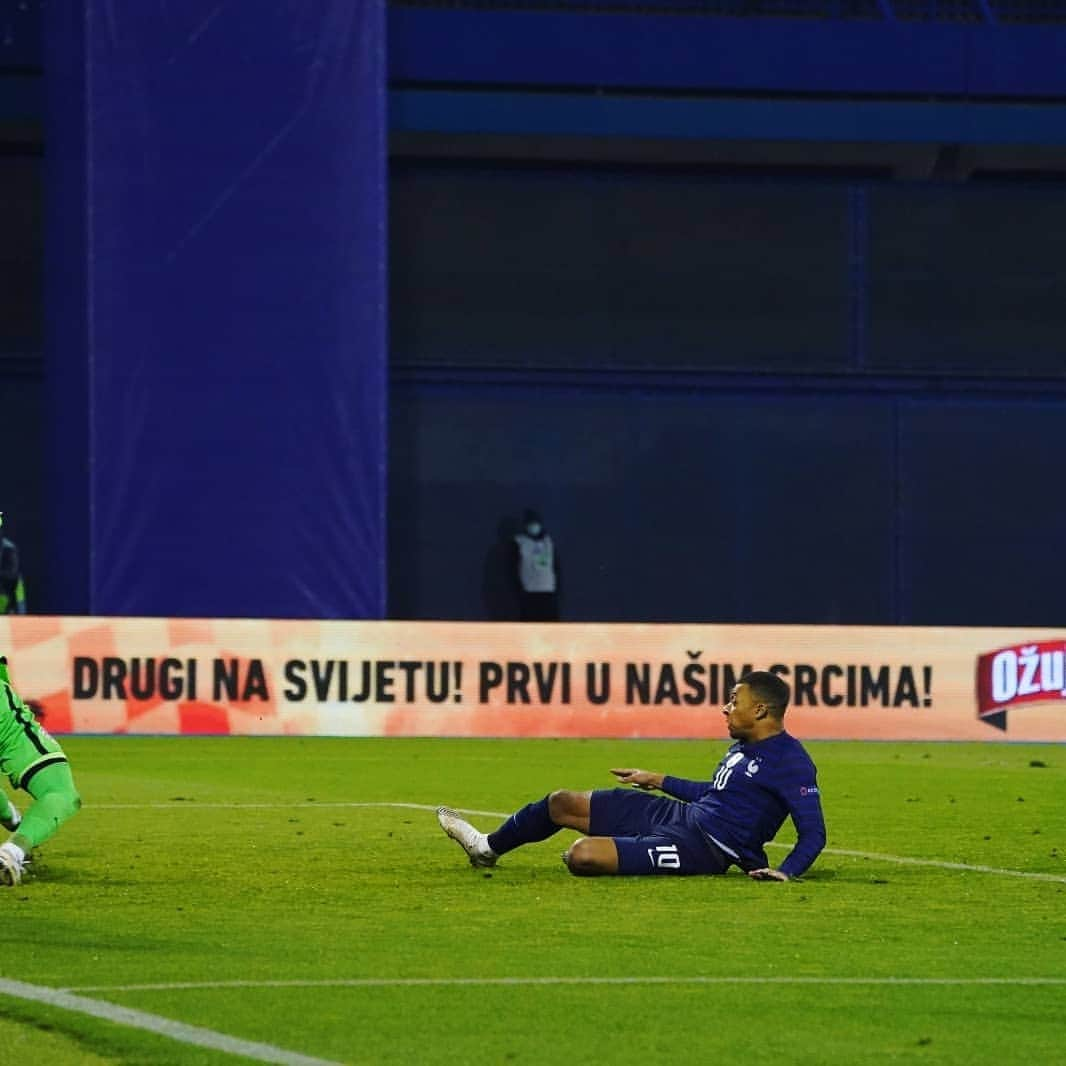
<point>697,827</point>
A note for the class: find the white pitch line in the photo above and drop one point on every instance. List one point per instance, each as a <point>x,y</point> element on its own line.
<point>899,860</point>
<point>178,805</point>
<point>155,1023</point>
<point>461,982</point>
<point>903,860</point>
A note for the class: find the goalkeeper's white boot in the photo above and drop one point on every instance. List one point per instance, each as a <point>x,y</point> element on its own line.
<point>12,859</point>
<point>472,841</point>
<point>11,822</point>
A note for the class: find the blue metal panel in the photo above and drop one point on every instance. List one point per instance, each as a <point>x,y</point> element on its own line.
<point>981,513</point>
<point>969,60</point>
<point>968,279</point>
<point>1017,61</point>
<point>500,266</point>
<point>855,121</point>
<point>654,51</point>
<point>724,503</point>
<point>898,501</point>
<point>888,472</point>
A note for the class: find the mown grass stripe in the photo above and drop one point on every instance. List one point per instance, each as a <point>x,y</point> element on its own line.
<point>460,982</point>
<point>899,860</point>
<point>154,1023</point>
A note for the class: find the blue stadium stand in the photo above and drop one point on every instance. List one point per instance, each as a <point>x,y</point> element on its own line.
<point>936,53</point>
<point>987,11</point>
<point>962,49</point>
<point>911,88</point>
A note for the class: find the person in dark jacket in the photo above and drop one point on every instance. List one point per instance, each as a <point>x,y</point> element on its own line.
<point>12,587</point>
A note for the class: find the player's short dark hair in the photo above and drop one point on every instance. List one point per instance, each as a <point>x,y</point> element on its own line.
<point>768,688</point>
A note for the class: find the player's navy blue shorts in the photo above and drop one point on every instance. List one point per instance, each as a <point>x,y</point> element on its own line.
<point>653,834</point>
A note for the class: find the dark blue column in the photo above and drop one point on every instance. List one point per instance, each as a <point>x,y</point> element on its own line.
<point>220,286</point>
<point>66,432</point>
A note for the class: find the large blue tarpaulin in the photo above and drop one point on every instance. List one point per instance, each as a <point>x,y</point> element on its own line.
<point>216,282</point>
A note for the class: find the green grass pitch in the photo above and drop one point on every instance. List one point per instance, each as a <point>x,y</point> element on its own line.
<point>241,886</point>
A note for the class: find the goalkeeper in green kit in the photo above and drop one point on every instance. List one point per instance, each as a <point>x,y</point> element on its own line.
<point>34,762</point>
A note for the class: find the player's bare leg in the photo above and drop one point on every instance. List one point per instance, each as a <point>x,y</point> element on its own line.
<point>589,856</point>
<point>570,809</point>
<point>592,857</point>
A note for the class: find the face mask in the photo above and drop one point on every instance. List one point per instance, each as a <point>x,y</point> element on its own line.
<point>533,529</point>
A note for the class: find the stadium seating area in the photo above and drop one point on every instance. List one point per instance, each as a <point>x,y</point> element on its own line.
<point>21,20</point>
<point>845,206</point>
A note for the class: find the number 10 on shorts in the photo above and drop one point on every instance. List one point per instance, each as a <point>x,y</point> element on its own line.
<point>665,857</point>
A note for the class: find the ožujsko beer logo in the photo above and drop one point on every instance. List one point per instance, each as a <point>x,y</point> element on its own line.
<point>1023,673</point>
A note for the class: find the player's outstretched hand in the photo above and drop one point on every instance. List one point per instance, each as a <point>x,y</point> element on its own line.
<point>766,874</point>
<point>647,780</point>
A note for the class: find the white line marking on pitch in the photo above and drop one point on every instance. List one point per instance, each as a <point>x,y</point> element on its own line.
<point>155,1023</point>
<point>403,982</point>
<point>899,860</point>
<point>903,860</point>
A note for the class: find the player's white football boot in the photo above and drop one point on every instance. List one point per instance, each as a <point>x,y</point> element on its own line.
<point>11,823</point>
<point>471,840</point>
<point>10,865</point>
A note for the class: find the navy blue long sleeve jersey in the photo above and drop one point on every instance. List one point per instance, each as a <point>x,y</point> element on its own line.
<point>754,788</point>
